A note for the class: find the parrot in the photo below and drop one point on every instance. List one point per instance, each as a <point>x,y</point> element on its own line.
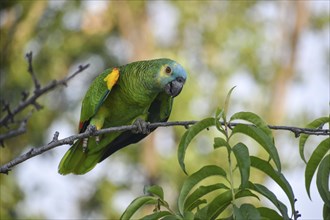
<point>137,93</point>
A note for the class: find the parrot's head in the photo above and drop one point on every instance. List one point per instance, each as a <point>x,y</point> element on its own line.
<point>171,77</point>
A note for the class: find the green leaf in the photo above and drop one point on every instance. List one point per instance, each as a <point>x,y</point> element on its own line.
<point>136,204</point>
<point>322,180</point>
<point>227,218</point>
<point>218,113</point>
<point>326,212</point>
<point>158,215</point>
<point>217,205</point>
<point>201,214</point>
<point>218,125</point>
<point>246,212</point>
<point>200,192</point>
<point>194,179</point>
<point>303,138</point>
<point>220,142</point>
<point>172,217</point>
<point>241,153</point>
<point>245,193</point>
<point>278,177</point>
<point>196,204</point>
<point>155,190</point>
<point>314,161</point>
<point>189,135</point>
<point>254,119</point>
<point>237,213</point>
<point>225,109</point>
<point>188,215</point>
<point>263,139</point>
<point>269,214</point>
<point>221,202</point>
<point>271,197</point>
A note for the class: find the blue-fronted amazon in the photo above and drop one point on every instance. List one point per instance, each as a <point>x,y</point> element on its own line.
<point>142,90</point>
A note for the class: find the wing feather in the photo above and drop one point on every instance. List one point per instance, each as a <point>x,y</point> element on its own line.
<point>159,111</point>
<point>96,95</point>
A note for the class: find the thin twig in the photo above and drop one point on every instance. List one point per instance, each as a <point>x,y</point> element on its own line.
<point>70,140</point>
<point>30,70</point>
<point>13,133</point>
<point>80,69</point>
<point>6,108</point>
<point>20,130</point>
<point>25,95</point>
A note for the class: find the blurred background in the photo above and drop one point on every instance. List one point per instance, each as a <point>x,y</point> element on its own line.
<point>276,52</point>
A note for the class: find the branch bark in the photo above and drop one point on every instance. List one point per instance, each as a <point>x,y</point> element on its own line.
<point>89,133</point>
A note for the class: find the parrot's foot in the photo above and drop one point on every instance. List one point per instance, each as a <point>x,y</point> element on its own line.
<point>91,129</point>
<point>85,143</point>
<point>97,139</point>
<point>142,127</point>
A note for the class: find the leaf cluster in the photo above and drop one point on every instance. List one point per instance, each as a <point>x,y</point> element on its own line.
<point>214,200</point>
<point>318,162</point>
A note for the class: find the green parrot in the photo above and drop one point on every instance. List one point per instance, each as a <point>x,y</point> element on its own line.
<point>138,92</point>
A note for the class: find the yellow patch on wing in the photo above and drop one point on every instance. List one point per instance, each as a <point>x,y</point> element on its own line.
<point>112,78</point>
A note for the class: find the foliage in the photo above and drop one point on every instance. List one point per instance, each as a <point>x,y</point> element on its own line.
<point>224,195</point>
<point>320,159</point>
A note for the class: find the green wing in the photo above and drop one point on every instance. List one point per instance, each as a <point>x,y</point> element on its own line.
<point>159,111</point>
<point>76,160</point>
<point>93,100</point>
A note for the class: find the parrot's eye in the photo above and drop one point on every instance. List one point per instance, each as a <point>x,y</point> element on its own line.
<point>168,70</point>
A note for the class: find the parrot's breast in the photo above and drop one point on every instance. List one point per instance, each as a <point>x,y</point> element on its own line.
<point>124,107</point>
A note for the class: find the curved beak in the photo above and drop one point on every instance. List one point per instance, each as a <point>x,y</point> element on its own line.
<point>174,87</point>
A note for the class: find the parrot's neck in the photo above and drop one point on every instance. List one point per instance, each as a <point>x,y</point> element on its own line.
<point>128,106</point>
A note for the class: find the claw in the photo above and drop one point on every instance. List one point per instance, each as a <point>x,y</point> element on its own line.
<point>142,126</point>
<point>91,129</point>
<point>85,142</point>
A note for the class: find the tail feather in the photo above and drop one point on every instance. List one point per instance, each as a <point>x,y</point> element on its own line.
<point>77,161</point>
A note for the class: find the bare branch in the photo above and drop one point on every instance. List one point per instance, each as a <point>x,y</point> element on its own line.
<point>55,143</point>
<point>39,91</point>
<point>80,69</point>
<point>70,140</point>
<point>6,108</point>
<point>298,131</point>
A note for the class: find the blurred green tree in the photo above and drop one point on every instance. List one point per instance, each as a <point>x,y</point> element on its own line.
<point>217,42</point>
